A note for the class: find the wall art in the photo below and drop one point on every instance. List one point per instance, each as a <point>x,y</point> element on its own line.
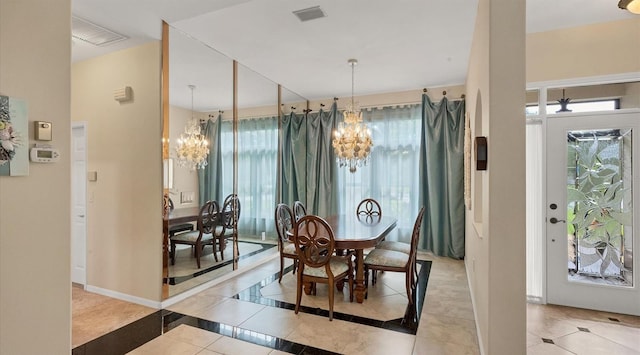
<point>14,137</point>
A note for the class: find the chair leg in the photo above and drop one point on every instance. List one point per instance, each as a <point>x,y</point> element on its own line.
<point>198,252</point>
<point>408,281</point>
<point>281,268</point>
<point>173,253</point>
<point>213,250</point>
<point>331,296</point>
<point>223,245</point>
<point>366,276</point>
<point>298,293</point>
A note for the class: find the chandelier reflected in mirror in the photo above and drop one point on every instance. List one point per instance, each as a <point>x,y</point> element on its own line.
<point>192,147</point>
<point>352,140</point>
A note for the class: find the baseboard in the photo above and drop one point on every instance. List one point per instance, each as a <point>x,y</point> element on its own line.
<point>473,304</point>
<point>192,291</point>
<point>535,300</point>
<point>124,297</point>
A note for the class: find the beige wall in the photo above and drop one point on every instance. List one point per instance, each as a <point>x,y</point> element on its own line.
<point>593,50</point>
<point>124,210</point>
<point>495,242</point>
<point>35,282</point>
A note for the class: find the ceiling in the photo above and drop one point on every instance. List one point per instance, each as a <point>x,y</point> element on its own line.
<point>400,45</point>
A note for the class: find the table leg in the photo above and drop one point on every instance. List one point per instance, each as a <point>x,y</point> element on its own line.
<point>360,288</point>
<point>308,288</point>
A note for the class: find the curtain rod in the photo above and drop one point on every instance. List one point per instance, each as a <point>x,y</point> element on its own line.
<point>229,119</point>
<point>403,103</point>
<point>444,94</point>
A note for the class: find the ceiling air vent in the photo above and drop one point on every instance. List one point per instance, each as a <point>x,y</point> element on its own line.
<point>309,14</point>
<point>91,33</point>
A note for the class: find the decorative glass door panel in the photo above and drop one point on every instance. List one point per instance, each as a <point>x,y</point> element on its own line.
<point>600,206</point>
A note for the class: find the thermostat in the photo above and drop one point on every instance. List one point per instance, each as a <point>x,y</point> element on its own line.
<point>44,155</point>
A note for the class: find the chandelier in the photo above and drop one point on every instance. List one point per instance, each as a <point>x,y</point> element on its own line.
<point>632,6</point>
<point>192,147</point>
<point>352,140</point>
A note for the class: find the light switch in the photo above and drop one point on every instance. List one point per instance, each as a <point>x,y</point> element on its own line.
<point>187,196</point>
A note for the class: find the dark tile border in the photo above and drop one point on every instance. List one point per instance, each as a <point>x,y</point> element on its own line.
<point>124,339</point>
<point>180,279</point>
<point>407,324</point>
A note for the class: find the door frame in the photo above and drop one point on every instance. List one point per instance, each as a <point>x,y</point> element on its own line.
<point>83,125</point>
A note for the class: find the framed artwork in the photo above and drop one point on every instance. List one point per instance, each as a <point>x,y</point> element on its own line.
<point>14,137</point>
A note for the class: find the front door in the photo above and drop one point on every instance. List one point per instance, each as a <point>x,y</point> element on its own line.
<point>592,217</point>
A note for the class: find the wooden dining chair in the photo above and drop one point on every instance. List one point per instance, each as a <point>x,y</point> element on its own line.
<point>231,203</point>
<point>391,260</point>
<point>178,228</point>
<point>315,246</point>
<point>284,223</point>
<point>397,246</point>
<point>369,211</point>
<point>208,231</point>
<point>299,210</point>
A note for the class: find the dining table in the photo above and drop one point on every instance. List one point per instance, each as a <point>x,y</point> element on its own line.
<point>358,234</point>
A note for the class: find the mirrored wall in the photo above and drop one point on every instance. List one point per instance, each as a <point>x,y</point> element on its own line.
<point>240,124</point>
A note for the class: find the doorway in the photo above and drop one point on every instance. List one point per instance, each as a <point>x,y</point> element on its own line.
<point>79,203</point>
<point>591,220</point>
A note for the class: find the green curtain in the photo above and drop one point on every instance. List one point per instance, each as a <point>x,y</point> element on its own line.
<point>308,162</point>
<point>210,178</point>
<point>322,176</point>
<point>442,177</point>
<point>294,157</point>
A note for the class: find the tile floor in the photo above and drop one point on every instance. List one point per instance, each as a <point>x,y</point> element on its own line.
<point>215,321</point>
<point>95,315</point>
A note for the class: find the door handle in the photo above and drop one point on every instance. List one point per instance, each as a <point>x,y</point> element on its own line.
<point>554,220</point>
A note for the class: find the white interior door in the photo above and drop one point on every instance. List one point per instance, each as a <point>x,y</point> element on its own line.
<point>592,217</point>
<point>78,203</point>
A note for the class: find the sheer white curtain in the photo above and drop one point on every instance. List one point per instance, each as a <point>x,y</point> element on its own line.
<point>257,162</point>
<point>535,218</point>
<point>391,176</point>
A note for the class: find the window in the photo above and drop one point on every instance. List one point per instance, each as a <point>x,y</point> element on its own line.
<point>257,164</point>
<point>391,175</point>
